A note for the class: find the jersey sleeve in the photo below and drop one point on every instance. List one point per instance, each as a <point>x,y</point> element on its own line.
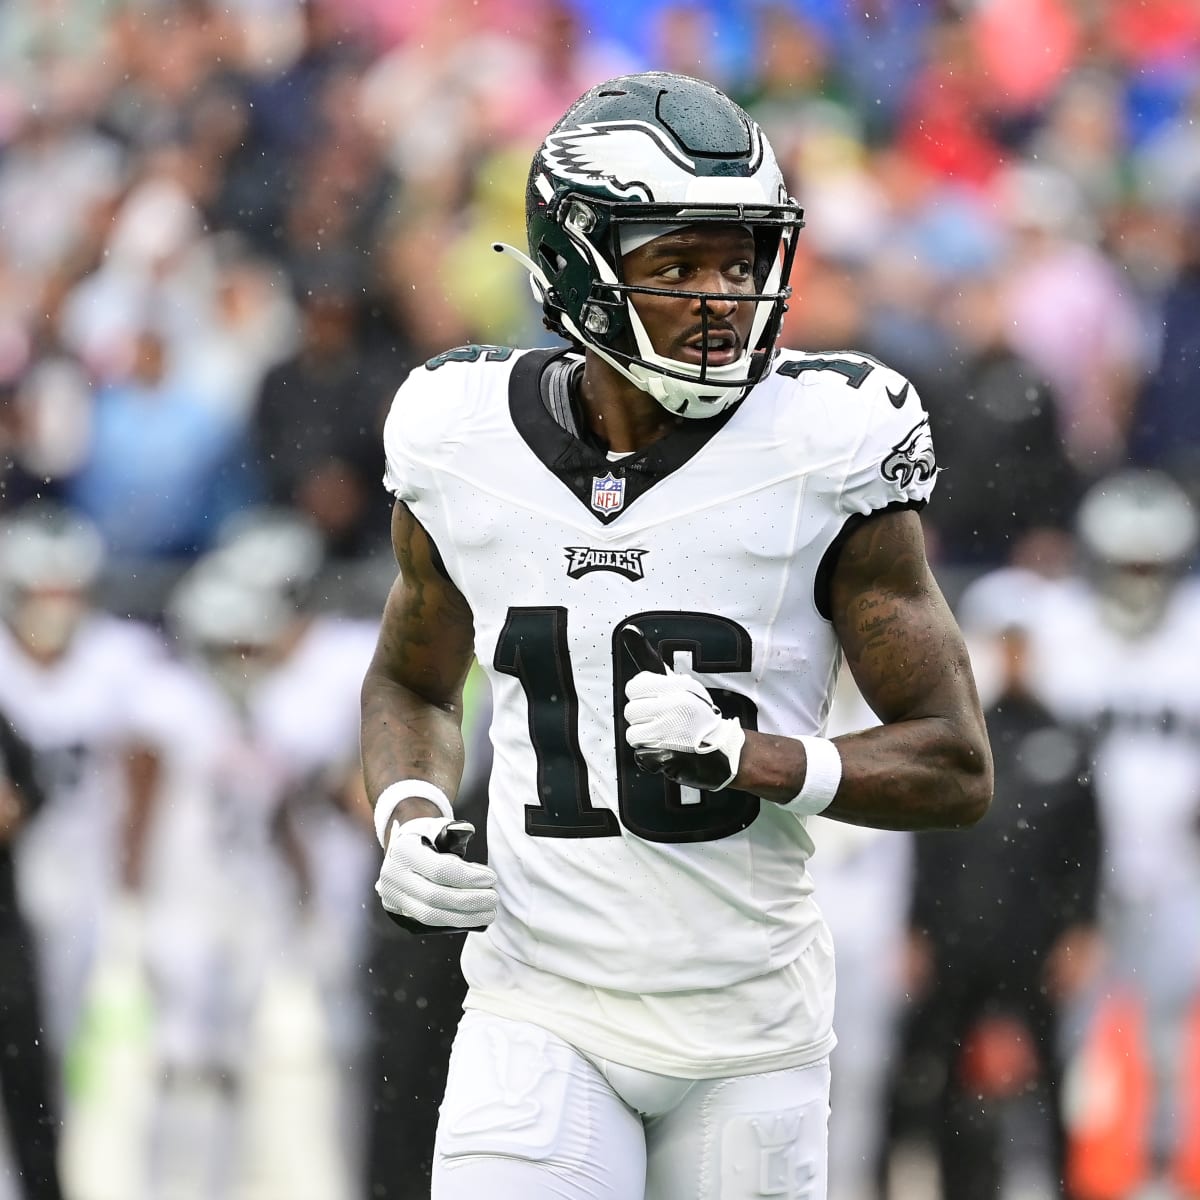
<point>404,431</point>
<point>434,409</point>
<point>892,464</point>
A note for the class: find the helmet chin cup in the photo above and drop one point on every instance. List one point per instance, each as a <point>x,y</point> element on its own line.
<point>685,399</point>
<point>681,397</point>
<point>692,398</point>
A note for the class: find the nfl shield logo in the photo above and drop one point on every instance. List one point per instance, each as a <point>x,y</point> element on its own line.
<point>608,494</point>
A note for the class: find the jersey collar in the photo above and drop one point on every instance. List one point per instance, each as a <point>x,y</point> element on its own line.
<point>578,465</point>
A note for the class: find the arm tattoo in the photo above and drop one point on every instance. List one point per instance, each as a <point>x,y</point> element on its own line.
<point>928,764</point>
<point>412,693</point>
<point>876,624</point>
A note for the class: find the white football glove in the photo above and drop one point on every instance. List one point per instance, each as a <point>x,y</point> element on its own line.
<point>430,890</point>
<point>677,730</point>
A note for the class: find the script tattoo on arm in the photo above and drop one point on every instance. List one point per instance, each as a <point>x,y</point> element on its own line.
<point>412,692</point>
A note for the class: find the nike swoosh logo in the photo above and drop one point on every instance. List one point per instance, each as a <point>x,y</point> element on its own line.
<point>899,398</point>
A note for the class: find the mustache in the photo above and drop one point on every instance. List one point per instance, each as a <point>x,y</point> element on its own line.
<point>698,333</point>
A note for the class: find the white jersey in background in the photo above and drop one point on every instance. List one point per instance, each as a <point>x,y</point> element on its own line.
<point>1140,697</point>
<point>217,897</point>
<point>225,910</point>
<point>217,889</point>
<point>81,713</point>
<point>626,901</point>
<point>1140,700</point>
<point>305,710</point>
<point>223,901</point>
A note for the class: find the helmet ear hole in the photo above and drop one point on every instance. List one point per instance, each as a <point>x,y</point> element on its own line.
<point>551,261</point>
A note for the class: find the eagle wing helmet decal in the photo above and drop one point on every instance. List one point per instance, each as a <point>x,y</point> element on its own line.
<point>638,151</point>
<point>911,458</point>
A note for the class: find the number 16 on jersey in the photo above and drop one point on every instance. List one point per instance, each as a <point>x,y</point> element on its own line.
<point>534,649</point>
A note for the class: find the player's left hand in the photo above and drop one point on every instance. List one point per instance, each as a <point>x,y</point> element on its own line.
<point>675,729</point>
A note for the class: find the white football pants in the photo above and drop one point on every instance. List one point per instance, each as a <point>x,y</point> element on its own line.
<point>528,1117</point>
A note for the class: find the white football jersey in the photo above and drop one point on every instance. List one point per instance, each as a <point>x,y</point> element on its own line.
<point>306,711</point>
<point>307,706</point>
<point>227,770</point>
<point>220,790</point>
<point>716,541</point>
<point>1140,697</point>
<point>81,714</point>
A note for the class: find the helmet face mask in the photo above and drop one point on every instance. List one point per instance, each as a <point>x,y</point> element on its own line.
<point>634,155</point>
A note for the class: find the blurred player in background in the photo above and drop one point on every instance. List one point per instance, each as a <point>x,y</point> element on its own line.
<point>218,883</point>
<point>304,711</point>
<point>74,681</point>
<point>257,860</point>
<point>1117,656</point>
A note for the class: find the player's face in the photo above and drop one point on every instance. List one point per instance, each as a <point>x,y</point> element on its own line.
<point>238,667</point>
<point>716,259</point>
<point>44,619</point>
<point>1134,597</point>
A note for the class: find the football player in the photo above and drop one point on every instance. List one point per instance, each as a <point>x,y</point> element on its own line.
<point>257,850</point>
<point>71,679</point>
<point>218,886</point>
<point>1115,656</point>
<point>303,709</point>
<point>657,540</point>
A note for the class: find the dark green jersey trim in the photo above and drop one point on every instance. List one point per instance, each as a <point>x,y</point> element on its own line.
<point>576,463</point>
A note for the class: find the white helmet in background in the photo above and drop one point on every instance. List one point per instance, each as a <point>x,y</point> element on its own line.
<point>211,608</point>
<point>50,558</point>
<point>236,607</point>
<point>273,548</point>
<point>227,623</point>
<point>1139,531</point>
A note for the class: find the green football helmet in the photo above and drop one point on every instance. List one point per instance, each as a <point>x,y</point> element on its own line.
<point>645,153</point>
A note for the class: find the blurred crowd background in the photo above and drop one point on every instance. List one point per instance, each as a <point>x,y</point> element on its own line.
<point>228,230</point>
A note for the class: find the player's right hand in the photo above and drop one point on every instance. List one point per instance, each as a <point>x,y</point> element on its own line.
<point>429,889</point>
<point>674,728</point>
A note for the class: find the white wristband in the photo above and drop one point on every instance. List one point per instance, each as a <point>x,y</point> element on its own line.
<point>402,789</point>
<point>821,778</point>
